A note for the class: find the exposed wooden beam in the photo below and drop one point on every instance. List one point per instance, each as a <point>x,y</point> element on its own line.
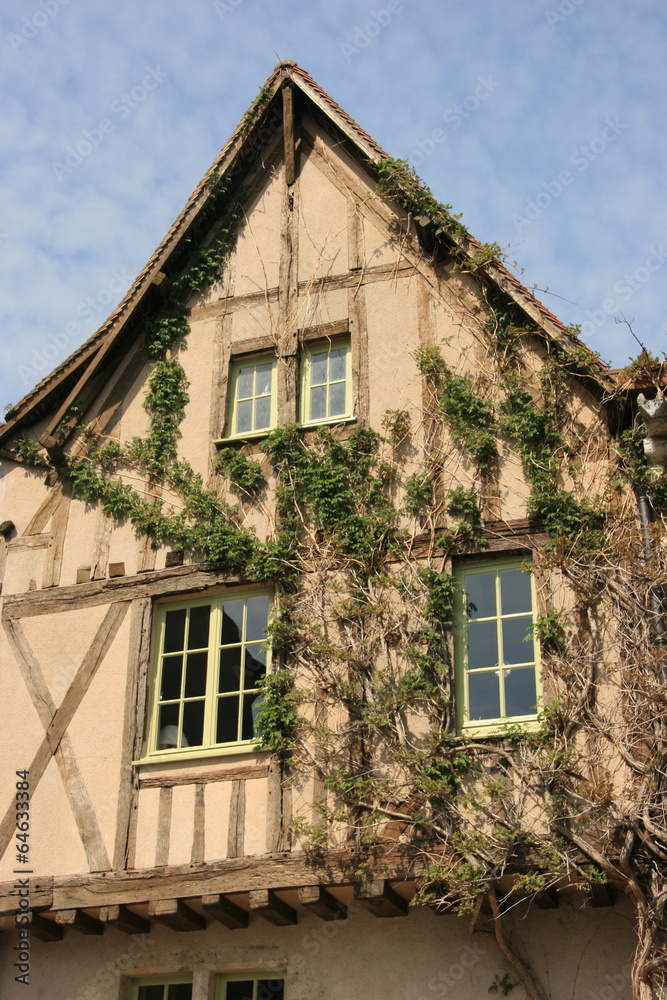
<point>45,930</point>
<point>320,902</point>
<point>378,897</point>
<point>224,911</point>
<point>175,914</point>
<point>271,907</point>
<point>243,771</point>
<point>288,134</point>
<point>600,894</point>
<point>124,919</point>
<point>79,921</point>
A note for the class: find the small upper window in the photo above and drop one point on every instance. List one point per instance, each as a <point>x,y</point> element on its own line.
<point>244,987</point>
<point>326,383</point>
<point>497,657</point>
<point>210,658</point>
<point>252,407</point>
<point>162,988</point>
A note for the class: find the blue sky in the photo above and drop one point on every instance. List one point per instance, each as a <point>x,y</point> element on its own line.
<point>540,120</point>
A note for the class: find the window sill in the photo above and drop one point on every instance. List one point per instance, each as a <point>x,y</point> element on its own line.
<point>206,753</point>
<point>240,438</point>
<point>312,425</point>
<point>529,724</point>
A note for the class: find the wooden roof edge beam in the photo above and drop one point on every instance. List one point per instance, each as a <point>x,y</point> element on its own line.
<point>378,897</point>
<point>271,907</point>
<point>222,909</point>
<point>174,913</point>
<point>124,919</point>
<point>319,901</point>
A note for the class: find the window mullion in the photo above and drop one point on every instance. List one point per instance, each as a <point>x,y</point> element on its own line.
<point>501,652</point>
<point>212,668</point>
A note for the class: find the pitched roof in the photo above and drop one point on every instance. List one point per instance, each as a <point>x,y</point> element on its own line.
<point>63,381</point>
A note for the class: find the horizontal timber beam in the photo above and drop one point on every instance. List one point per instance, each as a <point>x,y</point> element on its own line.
<point>272,908</point>
<point>175,914</point>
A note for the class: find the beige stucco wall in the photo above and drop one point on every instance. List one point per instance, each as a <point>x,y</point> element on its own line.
<point>574,952</point>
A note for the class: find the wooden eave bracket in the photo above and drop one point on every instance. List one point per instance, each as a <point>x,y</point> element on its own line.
<point>224,911</point>
<point>378,897</point>
<point>79,921</point>
<point>124,919</point>
<point>45,930</point>
<point>265,903</point>
<point>319,901</point>
<point>175,914</point>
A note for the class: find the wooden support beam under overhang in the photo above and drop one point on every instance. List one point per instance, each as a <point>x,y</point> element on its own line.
<point>224,911</point>
<point>271,907</point>
<point>175,914</point>
<point>317,900</point>
<point>45,930</point>
<point>600,894</point>
<point>378,897</point>
<point>79,921</point>
<point>124,919</point>
<point>547,899</point>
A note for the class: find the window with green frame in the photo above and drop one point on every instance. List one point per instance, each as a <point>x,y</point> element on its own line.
<point>162,988</point>
<point>210,658</point>
<point>252,398</point>
<point>326,382</point>
<point>246,987</point>
<point>496,655</point>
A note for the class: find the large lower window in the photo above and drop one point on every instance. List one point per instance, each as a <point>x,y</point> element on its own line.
<point>252,405</point>
<point>162,988</point>
<point>497,665</point>
<point>210,658</point>
<point>244,987</point>
<point>326,382</point>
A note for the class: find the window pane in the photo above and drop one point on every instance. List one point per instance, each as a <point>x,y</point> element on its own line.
<point>515,630</point>
<point>520,693</point>
<point>258,616</point>
<point>171,678</point>
<point>195,677</point>
<point>481,595</point>
<point>482,645</point>
<point>244,386</point>
<point>230,670</point>
<point>193,724</point>
<point>168,731</point>
<point>180,991</point>
<point>263,384</point>
<point>270,989</point>
<point>244,416</point>
<point>318,399</point>
<point>515,593</point>
<point>240,991</point>
<point>198,629</point>
<point>255,665</point>
<point>337,364</point>
<point>174,630</point>
<point>262,413</point>
<point>232,622</point>
<point>228,720</point>
<point>248,723</point>
<point>483,696</point>
<point>337,399</point>
<point>151,993</point>
<point>318,368</point>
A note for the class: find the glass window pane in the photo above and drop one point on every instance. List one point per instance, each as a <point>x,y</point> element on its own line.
<point>198,628</point>
<point>244,416</point>
<point>484,696</point>
<point>255,665</point>
<point>515,593</point>
<point>150,993</point>
<point>257,617</point>
<point>270,989</point>
<point>520,692</point>
<point>232,622</point>
<point>242,990</point>
<point>193,724</point>
<point>230,669</point>
<point>174,630</point>
<point>337,399</point>
<point>245,384</point>
<point>481,595</point>
<point>482,645</point>
<point>227,728</point>
<point>337,364</point>
<point>180,991</point>
<point>195,676</point>
<point>168,730</point>
<point>170,687</point>
<point>247,723</point>
<point>262,413</point>
<point>263,383</point>
<point>318,400</point>
<point>318,368</point>
<point>515,630</point>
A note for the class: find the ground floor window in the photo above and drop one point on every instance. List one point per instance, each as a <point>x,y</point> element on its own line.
<point>245,987</point>
<point>162,988</point>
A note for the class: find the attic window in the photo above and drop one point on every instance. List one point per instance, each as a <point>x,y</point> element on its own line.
<point>252,404</point>
<point>326,382</point>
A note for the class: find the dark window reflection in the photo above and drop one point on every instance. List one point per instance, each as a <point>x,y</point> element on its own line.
<point>171,678</point>
<point>182,991</point>
<point>232,622</point>
<point>520,693</point>
<point>198,630</point>
<point>241,990</point>
<point>481,595</point>
<point>151,993</point>
<point>228,720</point>
<point>482,645</point>
<point>195,677</point>
<point>257,617</point>
<point>174,630</point>
<point>255,665</point>
<point>230,670</point>
<point>193,722</point>
<point>270,989</point>
<point>515,631</point>
<point>483,696</point>
<point>515,594</point>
